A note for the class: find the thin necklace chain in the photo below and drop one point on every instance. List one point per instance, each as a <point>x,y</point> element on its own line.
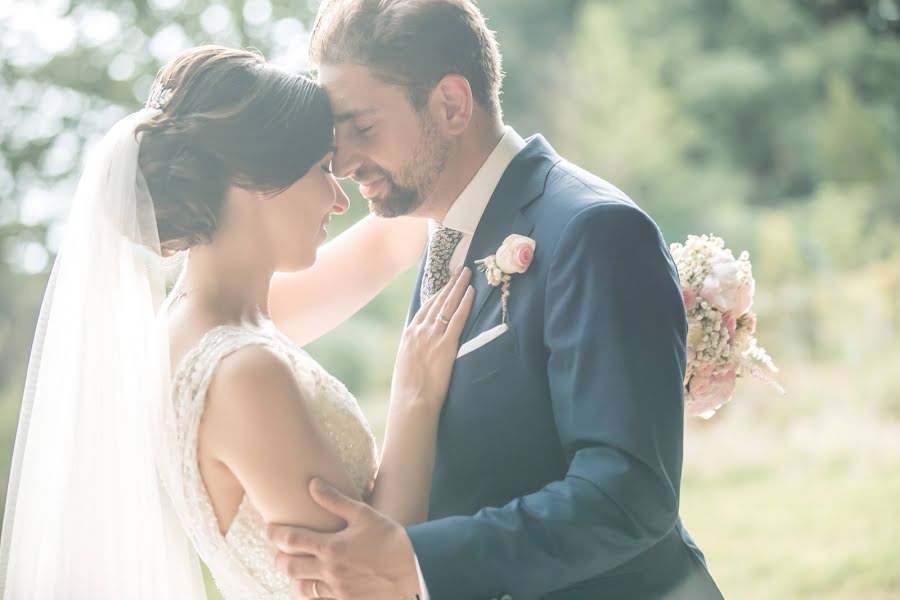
<point>181,295</point>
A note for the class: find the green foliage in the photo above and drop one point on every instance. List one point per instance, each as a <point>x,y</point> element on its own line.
<point>773,124</point>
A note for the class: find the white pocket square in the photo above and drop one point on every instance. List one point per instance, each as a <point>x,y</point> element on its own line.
<point>481,339</point>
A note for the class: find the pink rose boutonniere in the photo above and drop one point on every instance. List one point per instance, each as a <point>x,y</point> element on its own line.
<point>513,257</point>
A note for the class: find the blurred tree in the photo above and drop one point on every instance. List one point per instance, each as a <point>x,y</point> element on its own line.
<point>701,109</point>
<point>855,149</point>
<point>882,16</point>
<point>773,124</point>
<point>533,35</point>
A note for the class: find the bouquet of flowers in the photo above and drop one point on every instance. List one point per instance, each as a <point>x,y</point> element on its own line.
<point>718,293</point>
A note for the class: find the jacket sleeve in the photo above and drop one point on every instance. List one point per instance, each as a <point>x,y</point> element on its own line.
<point>615,329</point>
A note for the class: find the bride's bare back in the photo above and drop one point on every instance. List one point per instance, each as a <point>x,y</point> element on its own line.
<point>185,334</point>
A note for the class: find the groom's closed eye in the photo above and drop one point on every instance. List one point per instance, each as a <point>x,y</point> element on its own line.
<point>350,115</point>
<point>361,120</point>
<point>363,131</point>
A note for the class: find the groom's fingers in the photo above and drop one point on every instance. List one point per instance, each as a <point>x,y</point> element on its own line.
<point>329,498</point>
<point>314,588</point>
<point>299,567</point>
<point>297,540</point>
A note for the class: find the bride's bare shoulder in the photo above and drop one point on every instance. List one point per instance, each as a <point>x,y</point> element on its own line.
<point>253,368</point>
<point>252,389</point>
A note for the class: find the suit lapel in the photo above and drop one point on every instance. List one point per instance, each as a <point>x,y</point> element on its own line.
<point>521,184</point>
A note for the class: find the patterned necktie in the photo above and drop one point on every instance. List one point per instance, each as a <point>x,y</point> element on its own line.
<point>441,246</point>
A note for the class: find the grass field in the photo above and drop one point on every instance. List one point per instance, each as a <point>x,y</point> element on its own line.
<point>804,527</point>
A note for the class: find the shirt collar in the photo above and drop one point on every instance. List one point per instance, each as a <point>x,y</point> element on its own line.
<point>466,212</point>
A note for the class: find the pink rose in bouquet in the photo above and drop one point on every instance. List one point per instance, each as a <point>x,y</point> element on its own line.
<point>707,392</point>
<point>730,324</point>
<point>729,286</point>
<point>687,294</point>
<point>718,290</point>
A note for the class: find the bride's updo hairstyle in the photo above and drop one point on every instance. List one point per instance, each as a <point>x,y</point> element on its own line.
<point>228,118</point>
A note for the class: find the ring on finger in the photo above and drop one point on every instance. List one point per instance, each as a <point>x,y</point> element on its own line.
<point>442,319</point>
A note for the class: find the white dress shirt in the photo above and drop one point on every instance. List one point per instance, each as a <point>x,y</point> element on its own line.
<point>466,213</point>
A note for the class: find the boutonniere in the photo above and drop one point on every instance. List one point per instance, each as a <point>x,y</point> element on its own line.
<point>514,256</point>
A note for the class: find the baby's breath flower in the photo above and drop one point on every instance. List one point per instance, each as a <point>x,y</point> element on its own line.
<point>720,348</point>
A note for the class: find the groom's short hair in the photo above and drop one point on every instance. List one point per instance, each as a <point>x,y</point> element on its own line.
<point>413,43</point>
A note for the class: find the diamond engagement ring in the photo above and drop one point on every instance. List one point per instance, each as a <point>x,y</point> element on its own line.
<point>442,319</point>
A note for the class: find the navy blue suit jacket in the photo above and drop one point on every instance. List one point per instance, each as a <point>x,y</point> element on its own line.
<point>559,449</point>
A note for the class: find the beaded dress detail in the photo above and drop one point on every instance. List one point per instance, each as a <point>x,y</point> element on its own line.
<point>242,560</point>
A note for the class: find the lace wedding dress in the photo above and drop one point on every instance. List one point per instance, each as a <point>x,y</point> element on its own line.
<point>242,560</point>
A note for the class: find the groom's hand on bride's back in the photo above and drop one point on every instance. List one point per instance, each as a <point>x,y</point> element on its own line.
<point>430,343</point>
<point>371,558</point>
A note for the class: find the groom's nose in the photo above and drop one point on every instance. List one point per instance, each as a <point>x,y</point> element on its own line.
<point>346,159</point>
<point>345,164</point>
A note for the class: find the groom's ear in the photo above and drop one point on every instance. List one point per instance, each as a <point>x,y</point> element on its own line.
<point>453,103</point>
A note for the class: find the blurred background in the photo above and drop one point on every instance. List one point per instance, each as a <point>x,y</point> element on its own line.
<point>772,123</point>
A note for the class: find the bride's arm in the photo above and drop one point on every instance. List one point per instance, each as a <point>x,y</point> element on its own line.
<point>421,378</point>
<point>349,272</point>
<point>257,423</point>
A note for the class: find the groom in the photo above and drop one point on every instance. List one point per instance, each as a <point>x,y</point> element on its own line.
<point>560,445</point>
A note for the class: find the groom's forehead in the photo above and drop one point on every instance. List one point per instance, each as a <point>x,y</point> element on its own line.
<point>354,91</point>
<point>344,81</point>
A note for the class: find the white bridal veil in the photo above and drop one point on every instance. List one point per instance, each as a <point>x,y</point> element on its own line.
<point>86,516</point>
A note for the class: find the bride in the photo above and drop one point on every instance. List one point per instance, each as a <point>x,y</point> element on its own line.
<point>155,428</point>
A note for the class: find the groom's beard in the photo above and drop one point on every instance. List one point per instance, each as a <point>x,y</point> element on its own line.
<point>397,201</point>
<point>407,190</point>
